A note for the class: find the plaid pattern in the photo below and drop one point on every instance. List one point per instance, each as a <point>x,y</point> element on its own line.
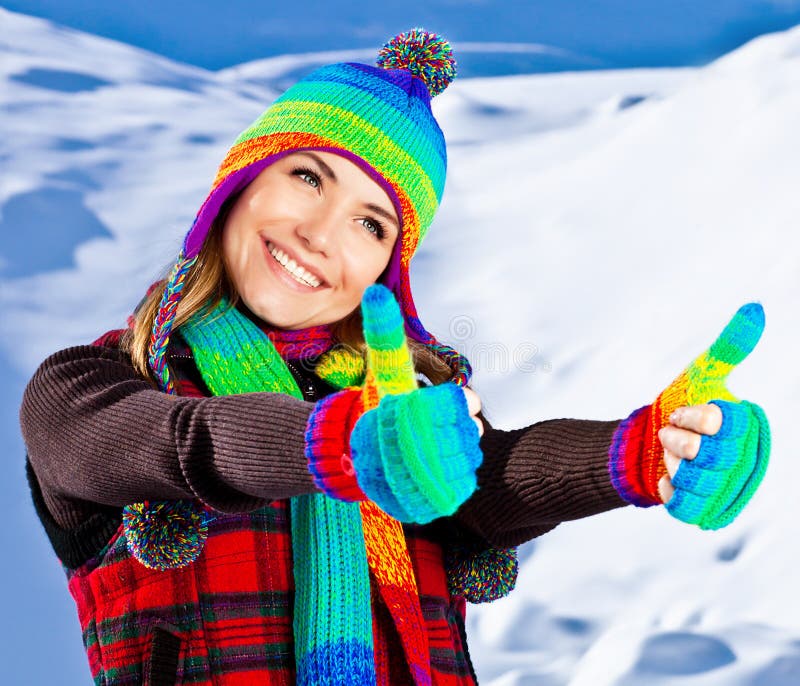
<point>227,618</point>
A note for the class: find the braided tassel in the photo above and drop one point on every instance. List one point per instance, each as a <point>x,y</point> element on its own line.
<point>162,326</point>
<point>462,370</point>
<point>169,534</point>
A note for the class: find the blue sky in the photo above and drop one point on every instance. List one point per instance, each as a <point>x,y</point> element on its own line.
<point>598,34</point>
<point>604,33</point>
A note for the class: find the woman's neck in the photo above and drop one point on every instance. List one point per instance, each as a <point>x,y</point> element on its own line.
<point>294,344</point>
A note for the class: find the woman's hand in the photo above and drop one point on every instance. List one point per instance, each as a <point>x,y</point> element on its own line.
<point>697,449</point>
<point>474,407</point>
<point>415,450</point>
<point>716,456</point>
<point>681,439</point>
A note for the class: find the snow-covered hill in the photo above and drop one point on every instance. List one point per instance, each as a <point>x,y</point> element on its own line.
<point>598,230</point>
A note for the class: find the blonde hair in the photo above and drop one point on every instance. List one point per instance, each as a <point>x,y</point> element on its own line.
<point>207,282</point>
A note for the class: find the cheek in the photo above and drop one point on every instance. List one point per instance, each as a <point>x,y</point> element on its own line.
<point>233,255</point>
<point>362,269</point>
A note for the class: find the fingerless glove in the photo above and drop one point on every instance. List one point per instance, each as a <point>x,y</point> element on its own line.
<point>714,487</point>
<point>417,453</point>
<point>328,444</point>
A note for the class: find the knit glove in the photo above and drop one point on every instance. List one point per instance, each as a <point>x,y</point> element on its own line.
<point>416,452</point>
<point>328,444</point>
<point>713,488</point>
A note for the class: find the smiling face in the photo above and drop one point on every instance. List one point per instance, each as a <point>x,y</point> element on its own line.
<point>306,238</point>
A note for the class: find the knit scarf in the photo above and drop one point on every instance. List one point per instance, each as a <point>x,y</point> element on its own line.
<point>335,543</point>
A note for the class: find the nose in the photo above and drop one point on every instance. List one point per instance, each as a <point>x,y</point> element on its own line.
<point>317,231</point>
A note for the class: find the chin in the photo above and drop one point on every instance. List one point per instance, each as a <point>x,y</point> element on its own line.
<point>282,320</point>
<point>273,318</point>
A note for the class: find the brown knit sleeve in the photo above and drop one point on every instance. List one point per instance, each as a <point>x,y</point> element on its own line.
<point>96,432</point>
<point>536,477</point>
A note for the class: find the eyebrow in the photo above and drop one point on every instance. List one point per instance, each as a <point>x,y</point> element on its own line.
<point>325,168</point>
<point>383,213</point>
<point>327,171</point>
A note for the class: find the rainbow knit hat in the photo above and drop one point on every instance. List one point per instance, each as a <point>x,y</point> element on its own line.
<point>380,118</point>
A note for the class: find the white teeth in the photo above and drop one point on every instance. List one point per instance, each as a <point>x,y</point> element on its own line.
<point>292,267</point>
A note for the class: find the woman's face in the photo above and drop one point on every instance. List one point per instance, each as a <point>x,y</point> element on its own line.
<point>306,238</point>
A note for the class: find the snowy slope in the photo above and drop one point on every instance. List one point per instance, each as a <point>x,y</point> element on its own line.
<point>598,231</point>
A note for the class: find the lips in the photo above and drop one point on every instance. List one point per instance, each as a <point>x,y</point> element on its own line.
<point>294,278</point>
<point>271,247</point>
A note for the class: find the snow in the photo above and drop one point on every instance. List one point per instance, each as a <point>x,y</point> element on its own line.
<point>598,231</point>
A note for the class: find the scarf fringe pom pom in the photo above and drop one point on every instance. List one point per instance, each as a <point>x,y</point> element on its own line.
<point>481,575</point>
<point>165,535</point>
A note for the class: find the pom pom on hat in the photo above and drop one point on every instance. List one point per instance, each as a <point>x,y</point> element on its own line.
<point>425,54</point>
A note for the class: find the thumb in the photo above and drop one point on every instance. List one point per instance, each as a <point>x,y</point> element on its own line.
<point>390,369</point>
<point>706,375</point>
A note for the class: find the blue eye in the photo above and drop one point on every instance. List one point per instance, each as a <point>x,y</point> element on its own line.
<point>308,175</point>
<point>379,232</point>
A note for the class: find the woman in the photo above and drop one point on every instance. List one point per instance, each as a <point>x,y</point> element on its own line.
<point>249,485</point>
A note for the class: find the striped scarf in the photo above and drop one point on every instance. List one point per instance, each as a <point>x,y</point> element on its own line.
<point>335,543</point>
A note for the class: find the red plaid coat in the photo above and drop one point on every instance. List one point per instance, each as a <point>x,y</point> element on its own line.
<point>226,619</point>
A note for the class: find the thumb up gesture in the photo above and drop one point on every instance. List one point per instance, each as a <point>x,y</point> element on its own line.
<point>415,450</point>
<point>698,449</point>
